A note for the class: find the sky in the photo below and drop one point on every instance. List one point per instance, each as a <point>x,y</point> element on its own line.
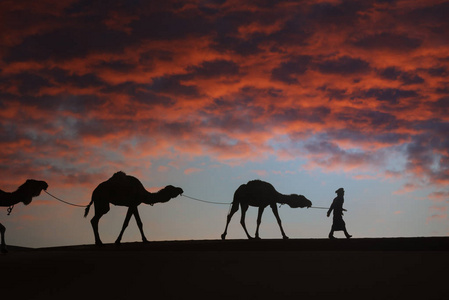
<point>308,95</point>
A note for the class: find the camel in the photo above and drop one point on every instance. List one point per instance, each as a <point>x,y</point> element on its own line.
<point>125,190</point>
<point>261,194</point>
<point>31,188</point>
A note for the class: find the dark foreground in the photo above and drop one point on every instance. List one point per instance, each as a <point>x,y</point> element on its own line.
<point>402,268</point>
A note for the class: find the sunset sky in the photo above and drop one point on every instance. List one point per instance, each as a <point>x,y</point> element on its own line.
<point>207,95</point>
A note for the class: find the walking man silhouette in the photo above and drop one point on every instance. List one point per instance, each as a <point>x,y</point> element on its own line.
<point>337,206</point>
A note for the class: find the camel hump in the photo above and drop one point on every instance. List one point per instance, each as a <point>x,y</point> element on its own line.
<point>253,190</point>
<point>260,186</point>
<point>258,182</point>
<point>119,175</point>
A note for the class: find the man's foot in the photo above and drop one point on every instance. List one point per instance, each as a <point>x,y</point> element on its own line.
<point>332,237</point>
<point>348,236</point>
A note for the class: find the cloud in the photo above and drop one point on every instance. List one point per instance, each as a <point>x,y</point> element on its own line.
<point>165,24</point>
<point>86,89</point>
<point>431,14</point>
<point>439,196</point>
<point>407,78</point>
<point>172,85</point>
<point>212,69</point>
<point>344,65</point>
<point>192,170</point>
<point>437,217</point>
<point>162,169</point>
<point>407,188</point>
<point>388,41</point>
<point>260,173</point>
<point>330,157</point>
<point>438,213</point>
<point>389,95</point>
<point>287,70</point>
<point>68,43</point>
<point>303,114</point>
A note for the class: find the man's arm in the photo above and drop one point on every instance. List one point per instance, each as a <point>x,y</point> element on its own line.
<point>330,209</point>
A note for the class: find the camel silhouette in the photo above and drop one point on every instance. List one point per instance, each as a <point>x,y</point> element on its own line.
<point>125,190</point>
<point>31,188</point>
<point>261,194</point>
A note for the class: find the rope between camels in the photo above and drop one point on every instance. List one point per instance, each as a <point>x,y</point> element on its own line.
<point>211,202</point>
<point>192,198</point>
<point>65,201</point>
<point>196,199</point>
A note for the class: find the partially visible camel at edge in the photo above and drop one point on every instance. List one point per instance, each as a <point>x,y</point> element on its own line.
<point>261,194</point>
<point>125,190</point>
<point>31,188</point>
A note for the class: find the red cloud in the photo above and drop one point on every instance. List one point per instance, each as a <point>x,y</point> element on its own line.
<point>331,83</point>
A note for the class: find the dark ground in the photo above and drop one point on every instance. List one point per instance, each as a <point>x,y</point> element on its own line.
<point>388,268</point>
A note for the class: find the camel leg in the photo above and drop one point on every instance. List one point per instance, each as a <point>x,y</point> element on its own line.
<point>3,244</point>
<point>94,223</point>
<point>242,219</point>
<point>129,213</point>
<point>276,214</point>
<point>101,208</point>
<point>234,209</point>
<point>95,220</point>
<point>139,224</point>
<point>259,220</point>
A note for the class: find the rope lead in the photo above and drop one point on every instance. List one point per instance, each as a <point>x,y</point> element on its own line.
<point>196,199</point>
<point>9,210</point>
<point>223,203</point>
<point>65,201</point>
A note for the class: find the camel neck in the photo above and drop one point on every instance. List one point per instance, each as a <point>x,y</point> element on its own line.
<point>10,199</point>
<point>283,199</point>
<point>150,198</point>
<point>158,197</point>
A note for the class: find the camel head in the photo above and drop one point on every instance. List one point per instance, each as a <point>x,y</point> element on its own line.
<point>164,195</point>
<point>173,191</point>
<point>31,188</point>
<point>295,201</point>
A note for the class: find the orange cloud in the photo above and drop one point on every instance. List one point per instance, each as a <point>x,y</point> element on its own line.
<point>192,170</point>
<point>346,86</point>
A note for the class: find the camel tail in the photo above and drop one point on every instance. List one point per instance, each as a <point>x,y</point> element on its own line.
<point>86,212</point>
